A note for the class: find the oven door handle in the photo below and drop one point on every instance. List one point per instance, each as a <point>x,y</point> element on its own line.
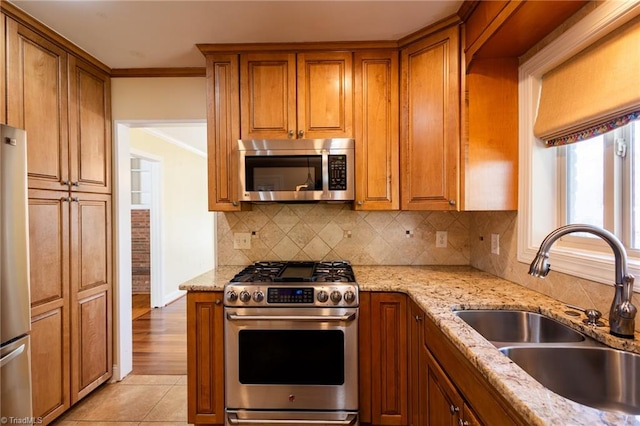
<point>234,420</point>
<point>349,316</point>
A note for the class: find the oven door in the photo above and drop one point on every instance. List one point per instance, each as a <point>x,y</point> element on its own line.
<point>291,358</point>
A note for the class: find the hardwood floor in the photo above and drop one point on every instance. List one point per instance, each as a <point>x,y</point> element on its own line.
<point>140,304</point>
<point>160,340</point>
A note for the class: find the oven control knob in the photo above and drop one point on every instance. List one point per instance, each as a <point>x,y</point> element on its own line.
<point>245,296</point>
<point>232,296</point>
<point>258,296</point>
<point>322,296</point>
<point>336,296</point>
<point>349,296</point>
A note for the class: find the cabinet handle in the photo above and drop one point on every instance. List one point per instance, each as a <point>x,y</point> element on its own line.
<point>218,302</point>
<point>76,184</point>
<point>234,203</point>
<point>66,183</point>
<point>453,409</point>
<point>65,199</point>
<point>452,202</point>
<point>418,318</point>
<point>300,134</point>
<point>290,134</point>
<point>75,199</point>
<point>360,202</point>
<point>463,422</point>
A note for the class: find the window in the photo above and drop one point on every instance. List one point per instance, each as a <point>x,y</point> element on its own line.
<point>541,207</point>
<point>600,185</point>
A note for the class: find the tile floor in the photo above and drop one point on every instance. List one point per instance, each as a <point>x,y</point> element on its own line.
<point>137,400</point>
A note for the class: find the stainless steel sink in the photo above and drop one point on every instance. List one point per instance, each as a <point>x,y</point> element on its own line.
<point>518,327</point>
<point>600,377</point>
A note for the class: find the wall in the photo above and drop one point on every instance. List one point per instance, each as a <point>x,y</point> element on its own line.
<point>317,232</point>
<point>187,226</point>
<point>140,251</point>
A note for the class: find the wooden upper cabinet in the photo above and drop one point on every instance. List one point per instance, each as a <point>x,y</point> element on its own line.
<point>294,96</point>
<point>376,130</point>
<point>268,95</point>
<point>3,66</point>
<point>90,128</point>
<point>37,102</point>
<point>223,131</point>
<point>430,122</point>
<point>325,95</point>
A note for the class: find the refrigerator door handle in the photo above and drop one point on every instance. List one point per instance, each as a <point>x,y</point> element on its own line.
<point>11,355</point>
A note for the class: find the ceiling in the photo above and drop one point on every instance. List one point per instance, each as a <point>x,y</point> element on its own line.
<point>159,34</point>
<point>164,33</point>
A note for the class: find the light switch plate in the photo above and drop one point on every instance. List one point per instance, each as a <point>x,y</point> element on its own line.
<point>495,243</point>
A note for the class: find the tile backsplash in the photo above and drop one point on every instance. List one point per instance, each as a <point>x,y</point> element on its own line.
<point>335,231</point>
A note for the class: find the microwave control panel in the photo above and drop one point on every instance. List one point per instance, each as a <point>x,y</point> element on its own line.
<point>337,172</point>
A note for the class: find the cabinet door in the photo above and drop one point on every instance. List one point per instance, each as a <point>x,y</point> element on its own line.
<point>49,279</point>
<point>325,95</point>
<point>376,130</point>
<point>223,131</point>
<point>3,66</point>
<point>416,319</point>
<point>442,399</point>
<point>90,128</point>
<point>205,358</point>
<point>389,369</point>
<point>430,122</point>
<point>91,328</point>
<point>37,102</point>
<point>268,95</point>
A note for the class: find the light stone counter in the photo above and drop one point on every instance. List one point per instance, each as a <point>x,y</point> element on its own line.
<point>439,291</point>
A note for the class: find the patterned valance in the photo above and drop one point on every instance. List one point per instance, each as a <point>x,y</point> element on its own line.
<point>594,131</point>
<point>593,92</point>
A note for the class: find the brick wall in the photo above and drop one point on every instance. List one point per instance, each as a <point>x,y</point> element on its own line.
<point>140,252</point>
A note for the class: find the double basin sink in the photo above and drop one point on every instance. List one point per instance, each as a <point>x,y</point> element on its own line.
<point>562,359</point>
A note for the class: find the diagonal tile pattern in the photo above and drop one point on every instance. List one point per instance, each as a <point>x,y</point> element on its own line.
<point>335,231</point>
<point>138,400</point>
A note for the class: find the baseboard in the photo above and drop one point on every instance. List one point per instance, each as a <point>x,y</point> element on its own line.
<point>168,298</point>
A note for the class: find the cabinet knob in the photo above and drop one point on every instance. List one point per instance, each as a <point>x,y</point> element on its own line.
<point>418,318</point>
<point>234,203</point>
<point>76,184</point>
<point>452,202</point>
<point>300,134</point>
<point>360,202</point>
<point>463,422</point>
<point>290,134</point>
<point>65,199</point>
<point>218,301</point>
<point>75,199</point>
<point>66,183</point>
<point>453,409</point>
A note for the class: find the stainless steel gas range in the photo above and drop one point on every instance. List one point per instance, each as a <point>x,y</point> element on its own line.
<point>291,335</point>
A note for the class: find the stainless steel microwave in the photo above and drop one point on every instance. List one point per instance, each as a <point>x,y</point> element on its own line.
<point>296,170</point>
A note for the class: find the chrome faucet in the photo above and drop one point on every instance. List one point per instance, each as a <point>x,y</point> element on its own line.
<point>622,314</point>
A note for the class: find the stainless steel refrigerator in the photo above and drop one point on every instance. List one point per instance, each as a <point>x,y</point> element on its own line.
<point>15,321</point>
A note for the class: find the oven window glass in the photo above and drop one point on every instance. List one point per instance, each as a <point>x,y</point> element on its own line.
<point>291,357</point>
<point>283,173</point>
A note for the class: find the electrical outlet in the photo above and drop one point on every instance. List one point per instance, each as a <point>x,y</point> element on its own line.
<point>495,243</point>
<point>346,234</point>
<point>242,240</point>
<point>441,239</point>
<point>409,233</point>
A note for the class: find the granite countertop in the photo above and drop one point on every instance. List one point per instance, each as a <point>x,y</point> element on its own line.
<point>440,290</point>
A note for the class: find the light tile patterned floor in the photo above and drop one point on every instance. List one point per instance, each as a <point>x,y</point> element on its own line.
<point>137,400</point>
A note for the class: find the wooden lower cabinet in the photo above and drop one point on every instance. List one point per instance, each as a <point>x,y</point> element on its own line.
<point>70,261</point>
<point>383,358</point>
<point>205,358</point>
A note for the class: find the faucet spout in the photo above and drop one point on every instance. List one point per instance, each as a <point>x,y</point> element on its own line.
<point>622,313</point>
